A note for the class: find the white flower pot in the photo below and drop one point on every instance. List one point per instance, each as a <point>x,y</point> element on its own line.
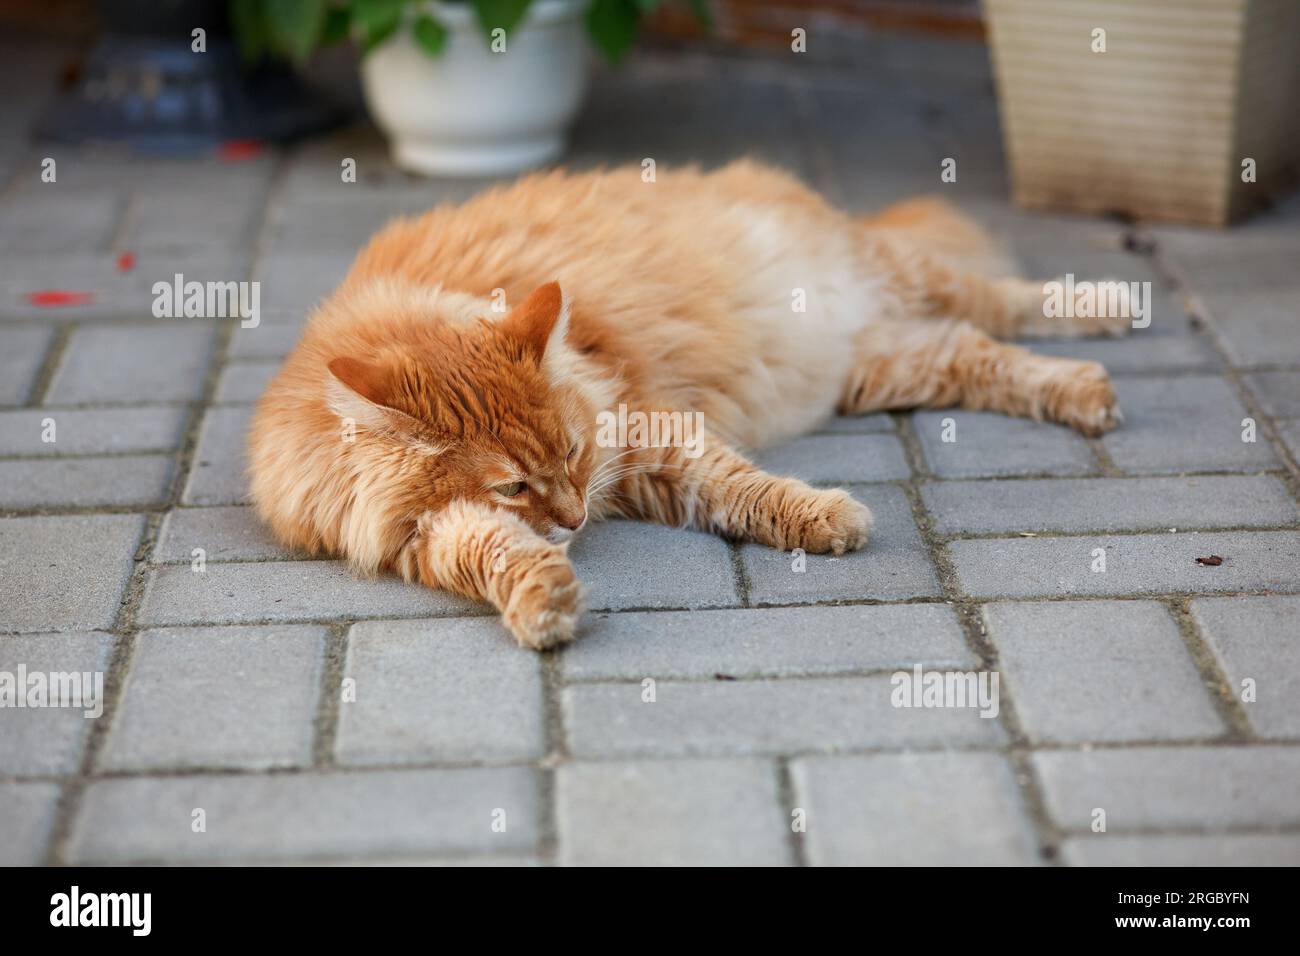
<point>473,112</point>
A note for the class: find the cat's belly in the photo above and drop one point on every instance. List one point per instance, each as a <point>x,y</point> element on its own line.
<point>802,314</point>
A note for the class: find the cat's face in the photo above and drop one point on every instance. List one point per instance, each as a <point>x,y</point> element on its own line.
<point>481,413</point>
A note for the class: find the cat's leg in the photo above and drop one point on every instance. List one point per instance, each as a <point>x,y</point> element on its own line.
<point>901,365</point>
<point>719,490</point>
<point>927,287</point>
<point>489,555</point>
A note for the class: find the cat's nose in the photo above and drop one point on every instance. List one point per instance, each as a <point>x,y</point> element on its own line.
<point>571,517</point>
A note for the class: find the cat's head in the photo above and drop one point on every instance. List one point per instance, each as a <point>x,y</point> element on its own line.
<point>487,410</point>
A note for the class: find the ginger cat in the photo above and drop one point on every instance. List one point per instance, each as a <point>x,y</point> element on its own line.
<point>417,428</point>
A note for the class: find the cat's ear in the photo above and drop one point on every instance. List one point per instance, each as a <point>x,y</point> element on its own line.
<point>362,391</point>
<point>541,319</point>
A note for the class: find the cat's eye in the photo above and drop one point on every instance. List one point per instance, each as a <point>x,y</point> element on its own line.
<point>572,451</point>
<point>511,490</point>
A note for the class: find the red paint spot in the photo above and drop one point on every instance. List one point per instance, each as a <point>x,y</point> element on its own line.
<point>126,262</point>
<point>236,150</point>
<point>54,297</point>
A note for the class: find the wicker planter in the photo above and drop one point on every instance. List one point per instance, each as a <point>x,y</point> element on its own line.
<point>1159,125</point>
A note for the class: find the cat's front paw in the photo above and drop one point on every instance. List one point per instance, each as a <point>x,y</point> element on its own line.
<point>829,521</point>
<point>1085,400</point>
<point>544,605</point>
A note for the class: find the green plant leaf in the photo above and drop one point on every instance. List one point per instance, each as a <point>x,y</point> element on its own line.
<point>702,13</point>
<point>505,14</point>
<point>430,34</point>
<point>612,25</point>
<point>249,27</point>
<point>295,27</point>
<point>338,22</point>
<point>378,20</point>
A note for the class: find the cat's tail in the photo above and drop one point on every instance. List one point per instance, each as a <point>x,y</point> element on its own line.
<point>936,227</point>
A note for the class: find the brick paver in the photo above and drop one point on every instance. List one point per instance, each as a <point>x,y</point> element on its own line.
<point>724,703</point>
<point>218,697</point>
<point>134,363</point>
<point>767,642</point>
<point>50,740</point>
<point>22,349</point>
<point>1099,671</point>
<point>1257,643</point>
<point>688,813</point>
<point>391,813</point>
<point>439,691</point>
<point>896,564</point>
<point>913,810</point>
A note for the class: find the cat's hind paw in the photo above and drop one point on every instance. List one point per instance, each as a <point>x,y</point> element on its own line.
<point>544,606</point>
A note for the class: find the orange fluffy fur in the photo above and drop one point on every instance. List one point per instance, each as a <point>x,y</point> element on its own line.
<point>418,427</point>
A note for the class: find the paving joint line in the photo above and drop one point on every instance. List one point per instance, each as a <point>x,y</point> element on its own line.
<point>971,620</point>
<point>125,627</point>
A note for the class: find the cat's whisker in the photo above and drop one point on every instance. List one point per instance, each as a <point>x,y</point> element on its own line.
<point>628,472</point>
<point>610,462</point>
<point>632,469</point>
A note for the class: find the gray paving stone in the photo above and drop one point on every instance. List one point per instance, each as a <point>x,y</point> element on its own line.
<point>1191,423</point>
<point>427,691</point>
<point>219,697</point>
<point>307,816</point>
<point>1109,504</point>
<point>130,481</point>
<point>341,218</point>
<point>1099,671</point>
<point>88,169</point>
<point>766,642</point>
<point>1258,639</point>
<point>989,445</point>
<point>27,811</point>
<point>857,424</point>
<point>49,740</point>
<point>244,382</point>
<point>267,341</point>
<point>168,221</point>
<point>134,363</point>
<point>1172,787</point>
<point>1049,246</point>
<point>1135,564</point>
<point>838,458</point>
<point>56,223</point>
<point>22,350</point>
<point>1290,433</point>
<point>868,172</point>
<point>286,591</point>
<point>894,564</point>
<point>760,717</point>
<point>683,119</point>
<point>231,533</point>
<point>111,292</point>
<point>91,431</point>
<point>1138,353</point>
<point>1257,325</point>
<point>1220,849</point>
<point>294,279</point>
<point>1278,392</point>
<point>1258,254</point>
<point>631,564</point>
<point>65,573</point>
<point>671,813</point>
<point>934,809</point>
<point>218,472</point>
